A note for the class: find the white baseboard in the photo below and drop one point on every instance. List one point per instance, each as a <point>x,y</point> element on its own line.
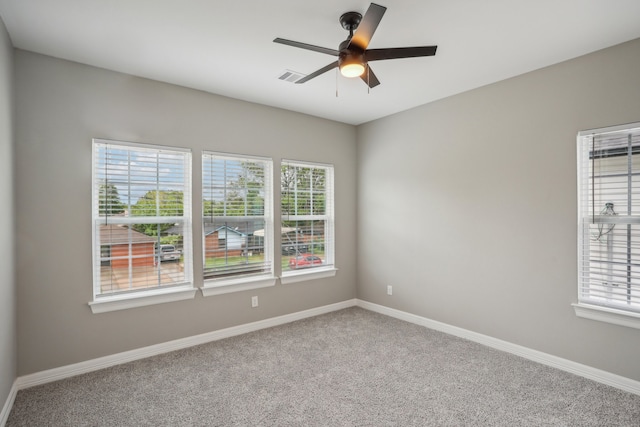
<point>585,371</point>
<point>62,372</point>
<point>4,415</point>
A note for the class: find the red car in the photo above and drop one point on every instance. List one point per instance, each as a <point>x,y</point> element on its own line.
<point>304,261</point>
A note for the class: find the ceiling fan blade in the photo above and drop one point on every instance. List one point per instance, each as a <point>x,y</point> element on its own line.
<point>307,46</point>
<point>370,78</point>
<point>399,52</point>
<point>317,73</point>
<point>367,26</point>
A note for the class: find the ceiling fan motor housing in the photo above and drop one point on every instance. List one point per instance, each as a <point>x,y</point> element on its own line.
<point>350,55</point>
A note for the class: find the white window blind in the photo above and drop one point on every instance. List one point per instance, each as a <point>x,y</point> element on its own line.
<point>237,215</point>
<point>609,217</point>
<point>307,208</point>
<point>141,217</point>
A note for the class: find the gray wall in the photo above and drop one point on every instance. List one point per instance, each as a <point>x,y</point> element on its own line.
<point>8,347</point>
<point>467,206</point>
<point>61,106</point>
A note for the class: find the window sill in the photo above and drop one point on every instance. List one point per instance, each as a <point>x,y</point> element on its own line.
<point>141,299</point>
<point>308,274</point>
<point>609,315</point>
<point>219,287</point>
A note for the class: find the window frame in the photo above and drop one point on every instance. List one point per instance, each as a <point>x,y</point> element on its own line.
<point>184,289</point>
<point>589,305</point>
<point>242,282</point>
<point>329,269</point>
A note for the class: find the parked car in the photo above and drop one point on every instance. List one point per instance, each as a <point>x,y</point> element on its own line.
<point>305,261</point>
<point>168,253</point>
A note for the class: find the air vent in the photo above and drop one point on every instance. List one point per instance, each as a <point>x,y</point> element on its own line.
<point>290,76</point>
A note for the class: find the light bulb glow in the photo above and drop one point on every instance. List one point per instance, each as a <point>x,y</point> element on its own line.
<point>354,69</point>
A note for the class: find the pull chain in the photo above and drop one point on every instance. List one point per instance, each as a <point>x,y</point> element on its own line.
<point>368,80</point>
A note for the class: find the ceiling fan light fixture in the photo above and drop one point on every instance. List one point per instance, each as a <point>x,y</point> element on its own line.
<point>351,61</point>
<point>353,69</point>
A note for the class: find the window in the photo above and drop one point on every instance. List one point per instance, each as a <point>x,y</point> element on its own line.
<point>609,225</point>
<point>307,221</point>
<point>237,222</point>
<point>141,225</point>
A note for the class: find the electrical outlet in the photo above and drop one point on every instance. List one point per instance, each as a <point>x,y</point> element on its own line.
<point>254,301</point>
<point>389,290</point>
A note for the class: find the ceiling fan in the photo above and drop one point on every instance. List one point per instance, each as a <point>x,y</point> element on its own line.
<point>353,55</point>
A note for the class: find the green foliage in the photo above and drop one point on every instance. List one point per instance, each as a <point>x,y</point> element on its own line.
<point>174,239</point>
<point>158,203</point>
<point>109,202</point>
<point>303,191</point>
<point>244,194</point>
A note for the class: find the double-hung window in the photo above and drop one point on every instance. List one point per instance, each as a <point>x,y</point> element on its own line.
<point>609,225</point>
<point>141,225</point>
<point>237,222</point>
<point>307,223</point>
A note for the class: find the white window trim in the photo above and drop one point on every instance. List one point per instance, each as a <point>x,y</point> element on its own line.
<point>288,277</point>
<point>244,283</point>
<point>105,304</point>
<point>308,274</point>
<point>219,287</point>
<point>608,315</point>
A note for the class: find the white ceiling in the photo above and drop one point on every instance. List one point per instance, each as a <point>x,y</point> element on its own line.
<point>225,47</point>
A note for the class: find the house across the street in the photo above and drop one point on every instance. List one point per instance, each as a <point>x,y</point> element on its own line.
<point>224,241</point>
<point>115,243</point>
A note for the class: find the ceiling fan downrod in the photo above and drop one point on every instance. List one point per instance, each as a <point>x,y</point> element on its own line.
<point>350,22</point>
